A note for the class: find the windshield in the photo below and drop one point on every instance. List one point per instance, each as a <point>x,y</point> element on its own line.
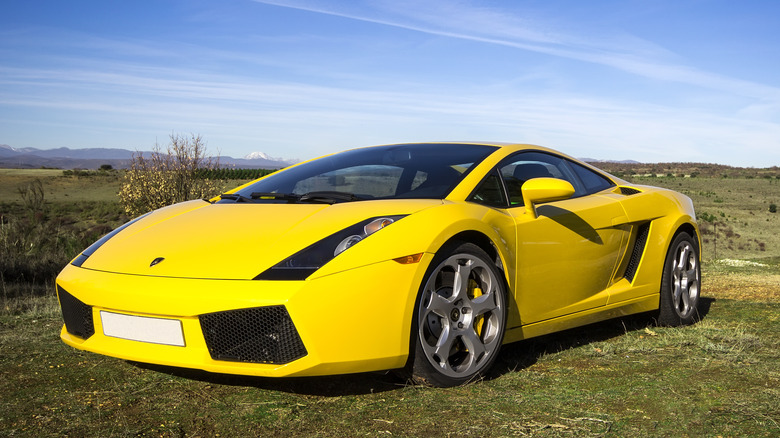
<point>384,172</point>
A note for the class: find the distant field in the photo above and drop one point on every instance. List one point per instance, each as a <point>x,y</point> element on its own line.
<point>736,208</point>
<point>59,188</point>
<point>733,211</point>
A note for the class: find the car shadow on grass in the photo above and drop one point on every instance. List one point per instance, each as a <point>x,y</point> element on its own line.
<point>512,358</point>
<point>523,354</point>
<point>328,386</point>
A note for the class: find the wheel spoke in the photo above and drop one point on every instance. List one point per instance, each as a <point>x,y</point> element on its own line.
<point>462,274</point>
<point>444,346</point>
<point>439,305</point>
<point>676,293</point>
<point>474,345</point>
<point>683,258</point>
<point>685,297</point>
<point>484,304</point>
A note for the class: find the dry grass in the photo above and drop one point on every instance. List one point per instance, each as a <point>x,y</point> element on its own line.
<point>733,286</point>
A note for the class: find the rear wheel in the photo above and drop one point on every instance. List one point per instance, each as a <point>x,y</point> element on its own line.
<point>681,281</point>
<point>460,318</point>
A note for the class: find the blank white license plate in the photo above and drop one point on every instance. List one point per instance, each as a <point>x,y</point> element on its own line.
<point>142,328</point>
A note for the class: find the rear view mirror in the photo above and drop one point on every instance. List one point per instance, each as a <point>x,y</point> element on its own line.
<point>396,157</point>
<point>538,190</point>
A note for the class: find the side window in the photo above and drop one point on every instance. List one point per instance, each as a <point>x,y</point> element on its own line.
<point>529,165</point>
<point>515,170</point>
<point>592,181</point>
<point>490,192</point>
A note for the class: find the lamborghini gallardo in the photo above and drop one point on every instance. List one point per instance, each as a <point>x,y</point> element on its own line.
<point>424,258</point>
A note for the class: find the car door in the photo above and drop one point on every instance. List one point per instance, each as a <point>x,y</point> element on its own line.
<point>567,255</point>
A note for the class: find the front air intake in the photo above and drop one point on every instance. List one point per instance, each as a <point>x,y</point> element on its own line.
<point>257,335</point>
<point>77,315</point>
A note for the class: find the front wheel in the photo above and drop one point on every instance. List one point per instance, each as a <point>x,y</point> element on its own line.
<point>680,284</point>
<point>460,318</point>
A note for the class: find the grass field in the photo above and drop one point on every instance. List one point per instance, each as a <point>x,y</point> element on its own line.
<point>720,377</point>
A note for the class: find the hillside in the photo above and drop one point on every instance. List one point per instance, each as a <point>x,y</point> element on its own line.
<point>707,170</point>
<point>93,158</point>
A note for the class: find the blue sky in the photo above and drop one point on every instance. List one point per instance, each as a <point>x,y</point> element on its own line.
<point>653,81</point>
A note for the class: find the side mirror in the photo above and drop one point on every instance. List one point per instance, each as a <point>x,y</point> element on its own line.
<point>538,190</point>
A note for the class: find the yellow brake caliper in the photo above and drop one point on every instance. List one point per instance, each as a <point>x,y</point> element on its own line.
<point>474,292</point>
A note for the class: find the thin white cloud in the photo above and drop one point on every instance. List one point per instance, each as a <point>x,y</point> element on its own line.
<point>286,113</point>
<point>465,20</point>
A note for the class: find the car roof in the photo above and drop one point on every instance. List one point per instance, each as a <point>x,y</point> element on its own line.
<point>507,146</point>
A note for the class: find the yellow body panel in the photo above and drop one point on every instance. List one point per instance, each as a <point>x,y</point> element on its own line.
<point>567,256</point>
<point>563,269</point>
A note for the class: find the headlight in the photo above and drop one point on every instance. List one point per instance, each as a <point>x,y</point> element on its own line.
<point>310,259</point>
<point>368,229</point>
<point>81,258</point>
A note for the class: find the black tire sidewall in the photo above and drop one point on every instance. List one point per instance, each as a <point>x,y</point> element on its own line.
<point>667,313</point>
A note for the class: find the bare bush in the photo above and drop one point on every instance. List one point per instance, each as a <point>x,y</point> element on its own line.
<point>32,196</point>
<point>169,176</point>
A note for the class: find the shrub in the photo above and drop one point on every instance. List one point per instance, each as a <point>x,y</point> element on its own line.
<point>772,208</point>
<point>167,177</point>
<point>32,195</point>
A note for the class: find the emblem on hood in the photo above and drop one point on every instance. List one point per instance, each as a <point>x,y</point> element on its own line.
<point>156,261</point>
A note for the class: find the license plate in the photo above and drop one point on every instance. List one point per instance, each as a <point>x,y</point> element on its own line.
<point>142,328</point>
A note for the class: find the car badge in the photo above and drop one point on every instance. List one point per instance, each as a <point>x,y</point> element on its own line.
<point>156,261</point>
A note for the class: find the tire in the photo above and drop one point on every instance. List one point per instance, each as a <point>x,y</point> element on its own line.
<point>681,283</point>
<point>457,331</point>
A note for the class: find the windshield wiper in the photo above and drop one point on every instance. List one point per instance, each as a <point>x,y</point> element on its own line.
<point>235,197</point>
<point>329,197</point>
<point>325,197</point>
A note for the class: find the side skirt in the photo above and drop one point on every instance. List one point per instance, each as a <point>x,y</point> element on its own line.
<point>623,308</point>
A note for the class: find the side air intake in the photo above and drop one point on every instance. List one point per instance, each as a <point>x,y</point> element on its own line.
<point>629,191</point>
<point>636,254</point>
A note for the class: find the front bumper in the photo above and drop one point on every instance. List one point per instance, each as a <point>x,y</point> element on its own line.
<point>352,321</point>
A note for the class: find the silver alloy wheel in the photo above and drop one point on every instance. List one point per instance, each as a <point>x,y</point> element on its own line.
<point>460,316</point>
<point>685,280</point>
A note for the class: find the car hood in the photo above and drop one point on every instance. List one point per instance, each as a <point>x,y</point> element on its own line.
<point>196,239</point>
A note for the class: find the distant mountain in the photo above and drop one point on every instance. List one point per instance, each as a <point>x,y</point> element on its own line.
<point>93,158</point>
<point>594,160</point>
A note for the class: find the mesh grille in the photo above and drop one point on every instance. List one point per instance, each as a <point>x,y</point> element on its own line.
<point>636,254</point>
<point>629,191</point>
<point>258,335</point>
<point>77,315</point>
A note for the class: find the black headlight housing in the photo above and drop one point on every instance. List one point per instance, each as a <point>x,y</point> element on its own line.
<point>302,264</point>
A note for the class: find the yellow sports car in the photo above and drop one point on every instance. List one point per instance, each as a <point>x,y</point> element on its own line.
<point>419,257</point>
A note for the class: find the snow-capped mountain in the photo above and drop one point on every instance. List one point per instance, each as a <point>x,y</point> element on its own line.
<point>260,156</point>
